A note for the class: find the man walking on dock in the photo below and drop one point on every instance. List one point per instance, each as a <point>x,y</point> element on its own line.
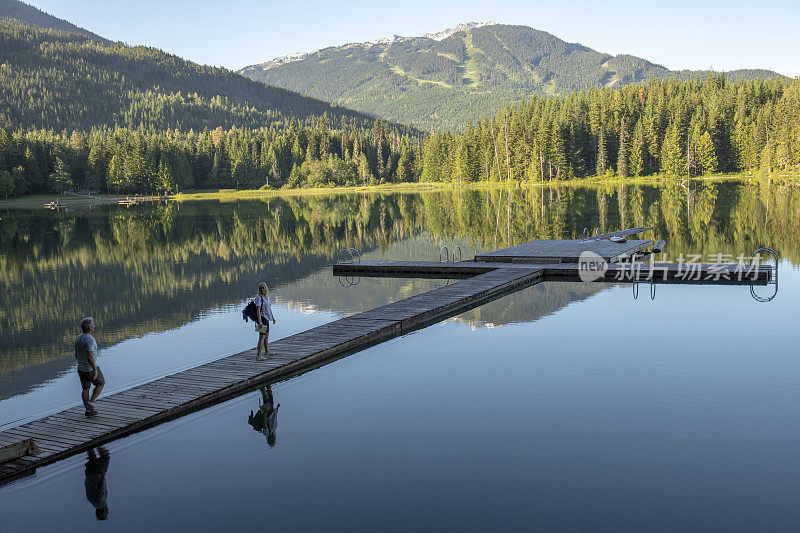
<point>88,371</point>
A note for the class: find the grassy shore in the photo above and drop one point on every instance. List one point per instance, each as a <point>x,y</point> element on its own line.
<point>39,200</point>
<point>266,193</point>
<point>433,186</point>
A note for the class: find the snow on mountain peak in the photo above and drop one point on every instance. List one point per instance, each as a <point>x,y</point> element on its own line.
<point>436,36</point>
<point>464,26</point>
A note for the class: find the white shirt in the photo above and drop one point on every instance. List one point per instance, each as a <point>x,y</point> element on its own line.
<point>266,307</point>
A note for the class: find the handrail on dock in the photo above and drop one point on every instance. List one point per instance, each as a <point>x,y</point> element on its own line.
<point>636,284</point>
<point>773,278</point>
<point>446,254</point>
<point>348,251</point>
<point>351,281</point>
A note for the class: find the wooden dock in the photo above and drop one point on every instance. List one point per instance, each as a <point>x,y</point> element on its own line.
<point>69,432</point>
<point>624,272</point>
<point>489,276</point>
<point>565,251</point>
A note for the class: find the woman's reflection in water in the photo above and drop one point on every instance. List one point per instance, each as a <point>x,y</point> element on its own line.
<point>266,419</point>
<point>96,488</point>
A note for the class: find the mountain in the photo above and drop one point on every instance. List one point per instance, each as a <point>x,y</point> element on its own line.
<point>442,79</point>
<point>26,14</point>
<point>53,79</point>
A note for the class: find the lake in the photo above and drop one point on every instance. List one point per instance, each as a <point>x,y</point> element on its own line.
<point>562,407</point>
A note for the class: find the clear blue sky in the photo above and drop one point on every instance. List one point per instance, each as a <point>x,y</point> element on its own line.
<point>678,34</point>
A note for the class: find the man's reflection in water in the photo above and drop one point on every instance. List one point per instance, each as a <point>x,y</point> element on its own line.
<point>96,488</point>
<point>266,419</point>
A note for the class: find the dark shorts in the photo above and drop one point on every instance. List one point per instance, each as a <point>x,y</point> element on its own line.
<point>87,379</point>
<point>264,322</point>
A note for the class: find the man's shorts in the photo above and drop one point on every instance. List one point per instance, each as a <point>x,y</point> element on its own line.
<point>87,378</point>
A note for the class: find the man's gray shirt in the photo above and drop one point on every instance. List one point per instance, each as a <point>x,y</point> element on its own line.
<point>84,344</point>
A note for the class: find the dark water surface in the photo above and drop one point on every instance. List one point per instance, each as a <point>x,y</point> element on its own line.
<point>566,406</point>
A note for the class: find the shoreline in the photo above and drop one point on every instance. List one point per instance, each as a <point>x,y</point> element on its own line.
<point>39,200</point>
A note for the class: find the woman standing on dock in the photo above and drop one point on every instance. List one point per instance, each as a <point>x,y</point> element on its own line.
<point>264,314</point>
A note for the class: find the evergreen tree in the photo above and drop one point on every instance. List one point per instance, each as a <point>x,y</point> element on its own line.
<point>739,145</point>
<point>602,155</point>
<point>622,153</point>
<point>6,184</point>
<point>364,172</point>
<point>34,171</point>
<point>96,165</point>
<point>706,155</point>
<point>543,140</point>
<point>431,164</point>
<point>673,160</point>
<point>243,171</point>
<point>165,180</point>
<point>405,165</point>
<point>558,156</point>
<point>468,170</point>
<point>636,158</point>
<point>298,155</point>
<point>21,184</point>
<point>295,176</point>
<point>60,179</point>
<point>115,180</point>
<point>271,164</point>
<point>135,172</point>
<point>221,169</point>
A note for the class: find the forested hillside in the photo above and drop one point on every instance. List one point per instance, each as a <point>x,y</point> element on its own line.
<point>662,127</point>
<point>66,81</point>
<point>670,127</point>
<point>470,74</point>
<point>123,160</point>
<point>26,14</point>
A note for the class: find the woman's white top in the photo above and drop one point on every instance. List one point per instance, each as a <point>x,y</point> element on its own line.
<point>266,307</point>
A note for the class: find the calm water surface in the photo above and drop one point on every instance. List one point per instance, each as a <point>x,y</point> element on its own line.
<point>566,406</point>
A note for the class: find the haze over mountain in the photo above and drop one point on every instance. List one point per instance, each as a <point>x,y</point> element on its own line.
<point>442,79</point>
<point>27,14</point>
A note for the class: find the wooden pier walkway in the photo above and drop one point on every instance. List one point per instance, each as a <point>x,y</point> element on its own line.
<point>69,432</point>
<point>691,273</point>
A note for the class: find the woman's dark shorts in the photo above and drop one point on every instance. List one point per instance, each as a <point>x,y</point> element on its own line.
<point>87,378</point>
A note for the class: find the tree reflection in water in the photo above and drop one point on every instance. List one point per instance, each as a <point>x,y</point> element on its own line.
<point>169,263</point>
